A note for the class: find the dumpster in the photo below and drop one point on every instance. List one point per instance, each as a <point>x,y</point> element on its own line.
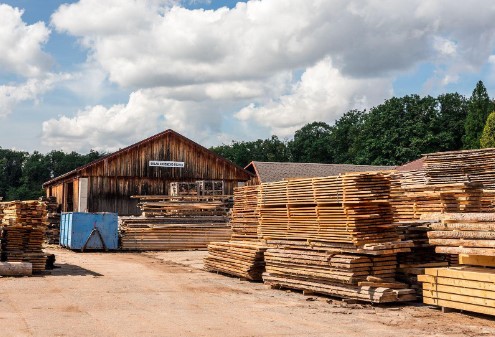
<point>89,231</point>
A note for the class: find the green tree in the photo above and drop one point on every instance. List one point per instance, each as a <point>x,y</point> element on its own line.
<point>479,107</point>
<point>488,135</point>
<point>397,131</point>
<point>448,126</point>
<point>311,144</point>
<point>344,137</point>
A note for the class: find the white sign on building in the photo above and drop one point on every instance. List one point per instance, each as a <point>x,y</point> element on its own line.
<point>159,163</point>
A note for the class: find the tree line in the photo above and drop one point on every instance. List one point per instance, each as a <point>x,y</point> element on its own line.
<point>393,133</point>
<point>24,173</point>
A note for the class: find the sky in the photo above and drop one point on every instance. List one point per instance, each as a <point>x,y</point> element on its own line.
<point>102,75</point>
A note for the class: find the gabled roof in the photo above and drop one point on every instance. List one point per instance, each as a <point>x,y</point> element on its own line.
<point>272,171</point>
<point>143,142</point>
<point>413,165</point>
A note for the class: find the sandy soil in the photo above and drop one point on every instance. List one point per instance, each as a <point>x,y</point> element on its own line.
<point>165,294</point>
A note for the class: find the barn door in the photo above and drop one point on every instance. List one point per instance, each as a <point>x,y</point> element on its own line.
<point>83,195</point>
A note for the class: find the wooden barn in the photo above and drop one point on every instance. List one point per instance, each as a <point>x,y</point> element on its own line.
<point>165,164</point>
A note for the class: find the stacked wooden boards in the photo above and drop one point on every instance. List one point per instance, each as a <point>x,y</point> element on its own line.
<point>171,234</point>
<point>460,166</point>
<point>422,255</point>
<point>468,287</point>
<point>244,217</point>
<point>243,255</point>
<point>22,233</point>
<point>169,206</point>
<point>52,234</point>
<point>177,223</point>
<point>332,235</point>
<point>442,198</point>
<point>244,259</point>
<point>464,233</point>
<point>464,288</point>
<point>351,212</point>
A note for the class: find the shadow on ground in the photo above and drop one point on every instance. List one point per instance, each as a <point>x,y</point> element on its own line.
<point>66,269</point>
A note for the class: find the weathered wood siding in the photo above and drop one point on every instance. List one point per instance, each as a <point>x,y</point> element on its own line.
<point>127,172</point>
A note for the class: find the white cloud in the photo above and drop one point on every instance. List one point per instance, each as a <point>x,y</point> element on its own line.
<point>147,112</point>
<point>13,94</point>
<point>191,70</point>
<point>322,94</point>
<point>21,44</point>
<point>149,43</point>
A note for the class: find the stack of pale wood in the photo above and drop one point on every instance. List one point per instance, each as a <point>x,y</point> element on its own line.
<point>333,235</point>
<point>243,255</point>
<point>175,235</point>
<point>441,198</point>
<point>177,223</point>
<point>470,286</point>
<point>464,233</point>
<point>422,255</point>
<point>182,206</point>
<point>22,233</point>
<point>460,166</point>
<point>244,217</point>
<point>349,211</point>
<point>52,234</point>
<point>244,259</point>
<point>465,288</point>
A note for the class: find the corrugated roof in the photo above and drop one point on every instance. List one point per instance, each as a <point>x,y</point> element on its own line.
<point>272,171</point>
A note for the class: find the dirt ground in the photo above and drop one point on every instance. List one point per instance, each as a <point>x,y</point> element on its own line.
<point>167,294</point>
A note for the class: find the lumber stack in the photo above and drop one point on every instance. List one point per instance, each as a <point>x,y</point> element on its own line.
<point>171,236</point>
<point>445,198</point>
<point>366,278</point>
<point>244,259</point>
<point>422,255</point>
<point>350,211</point>
<point>182,206</point>
<point>243,255</point>
<point>464,288</point>
<point>177,223</point>
<point>464,233</point>
<point>334,236</point>
<point>22,233</point>
<point>52,233</point>
<point>244,217</point>
<point>460,166</point>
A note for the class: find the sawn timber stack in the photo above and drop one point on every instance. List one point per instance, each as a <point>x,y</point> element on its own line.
<point>177,223</point>
<point>333,235</point>
<point>243,255</point>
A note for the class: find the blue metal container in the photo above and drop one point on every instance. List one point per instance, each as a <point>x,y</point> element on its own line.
<point>84,231</point>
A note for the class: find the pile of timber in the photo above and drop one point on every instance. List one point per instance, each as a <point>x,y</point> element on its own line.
<point>446,198</point>
<point>460,166</point>
<point>22,233</point>
<point>422,255</point>
<point>464,288</point>
<point>244,259</point>
<point>184,206</point>
<point>402,205</point>
<point>334,236</point>
<point>351,211</point>
<point>52,233</point>
<point>141,234</point>
<point>243,256</point>
<point>360,277</point>
<point>244,217</point>
<point>177,223</point>
<point>464,233</point>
